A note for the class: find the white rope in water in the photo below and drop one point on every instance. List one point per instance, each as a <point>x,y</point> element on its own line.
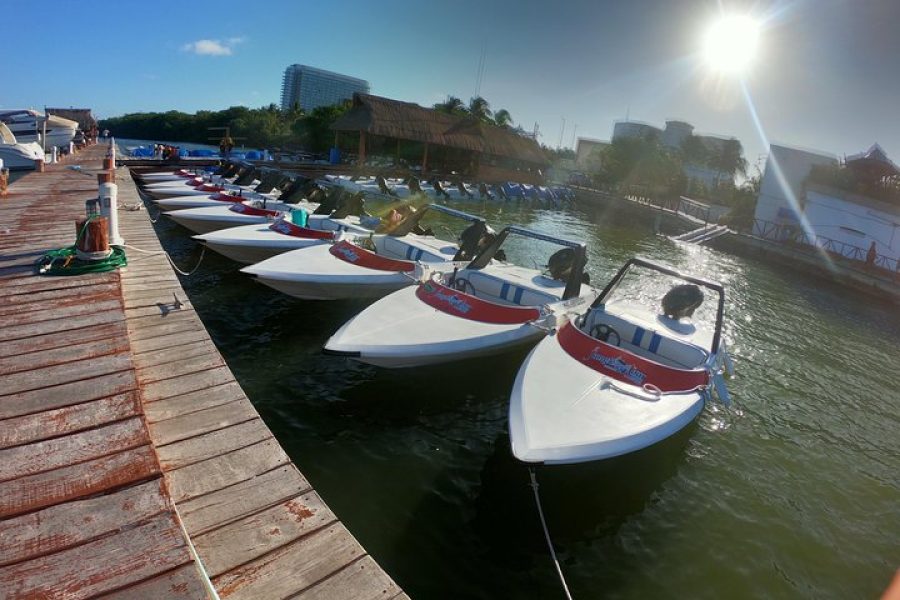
<point>172,262</point>
<point>537,501</point>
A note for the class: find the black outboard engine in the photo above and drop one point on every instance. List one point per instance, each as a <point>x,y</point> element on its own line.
<point>484,192</point>
<point>560,264</point>
<point>331,201</point>
<point>351,205</point>
<point>470,241</point>
<point>439,190</point>
<point>682,300</point>
<point>414,187</point>
<point>462,188</point>
<point>383,186</point>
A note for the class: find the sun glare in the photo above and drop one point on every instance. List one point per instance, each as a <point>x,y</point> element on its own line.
<point>730,44</point>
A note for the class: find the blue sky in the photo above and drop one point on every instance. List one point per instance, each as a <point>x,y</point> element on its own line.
<point>826,77</point>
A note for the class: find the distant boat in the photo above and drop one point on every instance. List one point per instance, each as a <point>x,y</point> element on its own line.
<point>16,155</point>
<point>29,125</point>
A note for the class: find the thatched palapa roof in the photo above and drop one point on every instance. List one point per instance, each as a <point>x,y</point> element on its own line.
<point>408,121</point>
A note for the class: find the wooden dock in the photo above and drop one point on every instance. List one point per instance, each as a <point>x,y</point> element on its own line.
<point>131,462</point>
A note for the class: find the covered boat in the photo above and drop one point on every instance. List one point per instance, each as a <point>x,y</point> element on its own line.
<point>619,377</point>
<point>368,266</point>
<point>487,307</point>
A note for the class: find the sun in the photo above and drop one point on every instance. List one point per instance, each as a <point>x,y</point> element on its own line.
<point>730,44</point>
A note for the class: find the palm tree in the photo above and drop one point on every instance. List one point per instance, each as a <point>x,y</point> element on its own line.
<point>502,118</point>
<point>452,106</point>
<point>731,158</point>
<point>480,109</point>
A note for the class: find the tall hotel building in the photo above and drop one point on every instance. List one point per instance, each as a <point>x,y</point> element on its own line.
<point>310,87</point>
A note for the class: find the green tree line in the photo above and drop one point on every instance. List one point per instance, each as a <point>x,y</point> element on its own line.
<point>265,127</point>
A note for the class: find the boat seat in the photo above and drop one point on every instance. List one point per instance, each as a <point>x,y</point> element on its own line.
<point>495,289</point>
<point>651,344</point>
<point>404,249</point>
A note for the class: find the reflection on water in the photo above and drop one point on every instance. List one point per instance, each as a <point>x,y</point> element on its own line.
<point>792,493</point>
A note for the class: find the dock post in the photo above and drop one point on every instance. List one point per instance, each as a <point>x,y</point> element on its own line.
<point>109,208</point>
<point>4,178</point>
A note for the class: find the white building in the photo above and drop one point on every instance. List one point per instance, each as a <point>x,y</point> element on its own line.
<point>781,190</point>
<point>634,129</point>
<point>310,87</point>
<point>586,157</point>
<point>837,220</point>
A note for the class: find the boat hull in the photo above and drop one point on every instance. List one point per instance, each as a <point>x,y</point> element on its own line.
<point>564,412</point>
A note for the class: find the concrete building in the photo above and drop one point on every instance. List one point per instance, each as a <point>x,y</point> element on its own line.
<point>675,133</point>
<point>836,219</point>
<point>310,87</point>
<point>586,153</point>
<point>634,129</point>
<point>781,190</point>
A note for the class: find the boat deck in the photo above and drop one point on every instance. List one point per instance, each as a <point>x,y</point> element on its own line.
<point>131,462</point>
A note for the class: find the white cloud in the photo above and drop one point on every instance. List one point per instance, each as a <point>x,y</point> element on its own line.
<point>213,47</point>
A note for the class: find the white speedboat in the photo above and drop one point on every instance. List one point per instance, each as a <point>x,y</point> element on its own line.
<point>201,186</point>
<point>257,242</point>
<point>150,177</point>
<point>487,307</point>
<point>45,130</point>
<point>17,156</point>
<point>620,377</point>
<point>211,218</point>
<point>367,266</point>
<point>294,191</point>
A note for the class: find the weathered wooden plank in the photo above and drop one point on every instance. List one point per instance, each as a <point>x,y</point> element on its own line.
<point>175,323</point>
<point>42,301</point>
<point>193,401</point>
<point>35,283</point>
<point>229,504</point>
<point>14,332</point>
<point>175,386</point>
<point>111,562</point>
<point>83,479</point>
<point>169,341</point>
<point>34,379</point>
<point>62,339</point>
<point>61,311</point>
<point>65,525</point>
<point>191,364</point>
<point>205,446</point>
<point>61,421</point>
<point>360,580</point>
<point>237,543</point>
<point>37,457</point>
<point>149,360</point>
<point>57,356</point>
<point>224,470</point>
<point>203,421</point>
<point>67,394</point>
<point>183,583</point>
<point>309,561</point>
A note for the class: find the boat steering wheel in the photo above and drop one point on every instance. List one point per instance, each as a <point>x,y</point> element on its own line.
<point>464,285</point>
<point>603,332</point>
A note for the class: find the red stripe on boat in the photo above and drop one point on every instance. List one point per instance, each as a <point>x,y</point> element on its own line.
<point>244,209</point>
<point>352,253</point>
<point>195,182</point>
<point>210,188</point>
<point>227,198</point>
<point>462,305</point>
<point>286,228</point>
<point>626,366</point>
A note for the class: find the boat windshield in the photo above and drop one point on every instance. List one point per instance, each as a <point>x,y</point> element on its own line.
<point>6,136</point>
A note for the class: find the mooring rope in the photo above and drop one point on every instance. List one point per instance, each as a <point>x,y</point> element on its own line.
<point>172,262</point>
<point>537,501</point>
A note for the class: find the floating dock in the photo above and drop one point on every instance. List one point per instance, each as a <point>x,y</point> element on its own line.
<point>132,464</point>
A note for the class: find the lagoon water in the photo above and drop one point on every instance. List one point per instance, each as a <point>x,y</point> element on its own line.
<point>794,492</point>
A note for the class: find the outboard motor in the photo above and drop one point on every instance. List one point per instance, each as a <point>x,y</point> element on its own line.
<point>682,300</point>
<point>330,202</point>
<point>484,192</point>
<point>383,186</point>
<point>470,241</point>
<point>414,187</point>
<point>351,205</point>
<point>439,190</point>
<point>561,264</point>
<point>462,188</point>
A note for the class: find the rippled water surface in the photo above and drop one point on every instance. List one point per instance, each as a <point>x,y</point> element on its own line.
<point>792,493</point>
